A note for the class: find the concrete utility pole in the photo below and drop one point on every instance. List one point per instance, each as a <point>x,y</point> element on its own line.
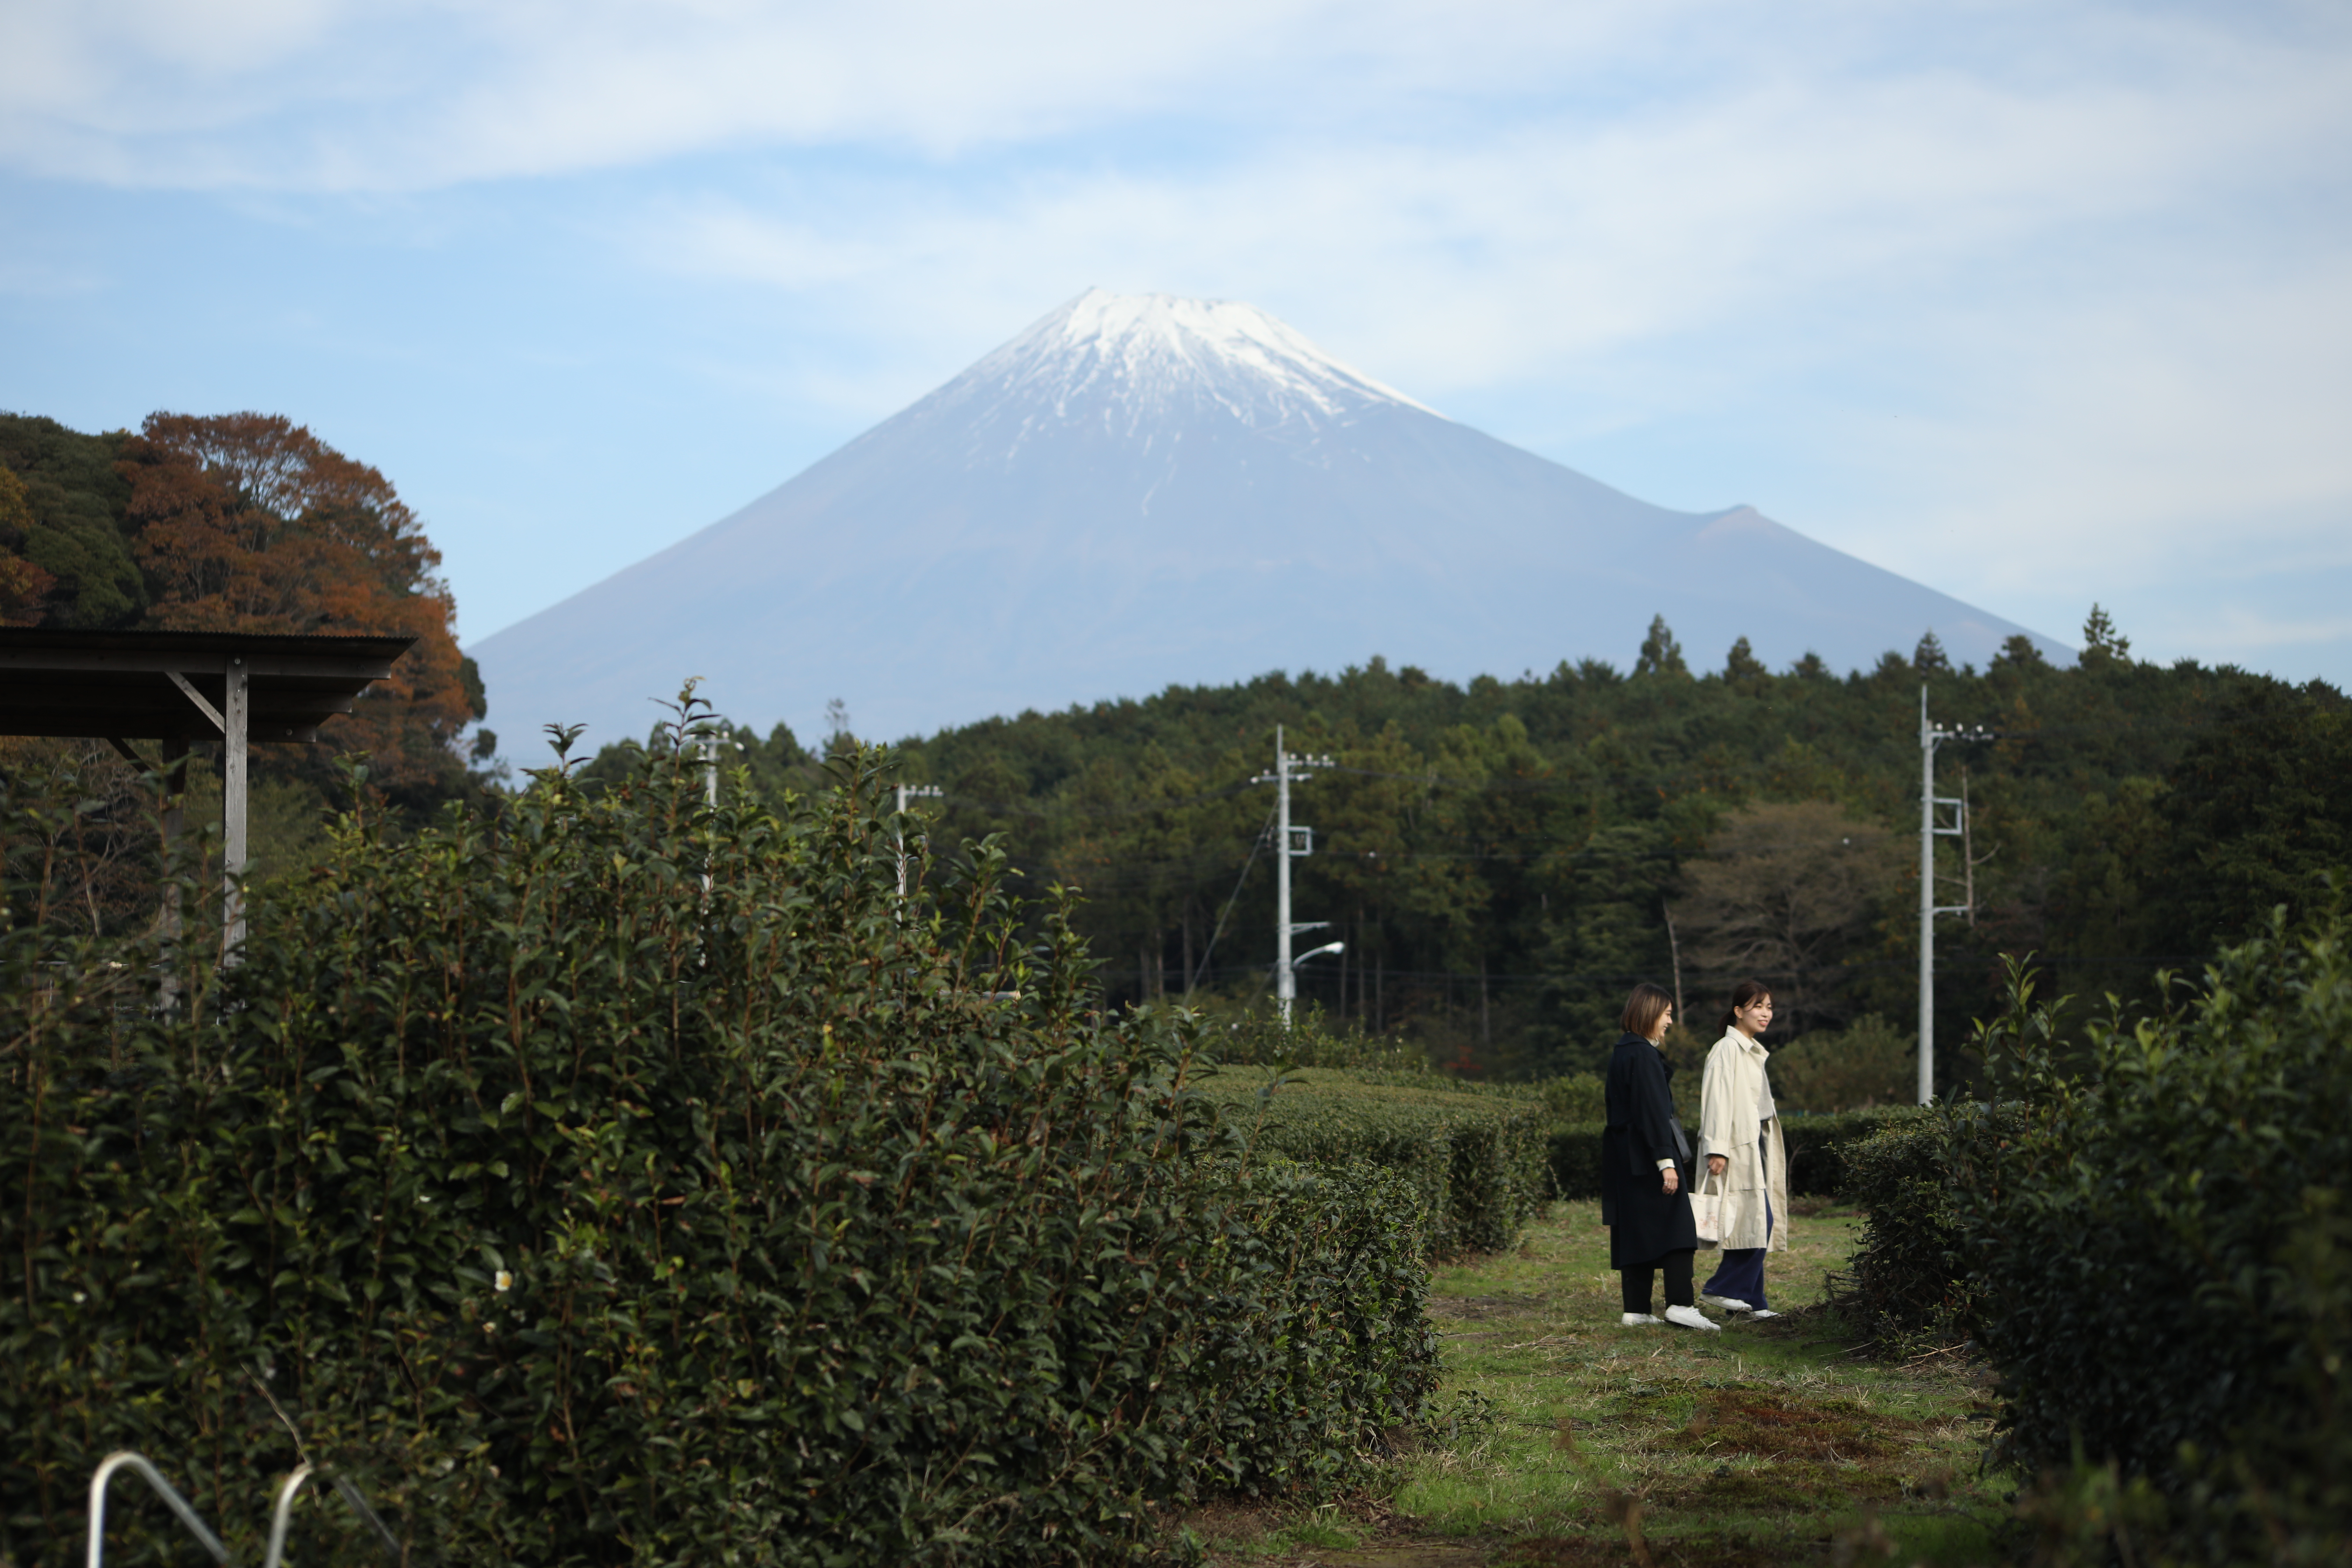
<point>1930,737</point>
<point>899,833</point>
<point>1290,842</point>
<point>710,793</point>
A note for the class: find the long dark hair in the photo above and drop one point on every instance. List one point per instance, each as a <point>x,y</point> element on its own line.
<point>1643,1007</point>
<point>1744,993</point>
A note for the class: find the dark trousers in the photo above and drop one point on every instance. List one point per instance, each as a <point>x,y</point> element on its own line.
<point>1740,1276</point>
<point>1678,1266</point>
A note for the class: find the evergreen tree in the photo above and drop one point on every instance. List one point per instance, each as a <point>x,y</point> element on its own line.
<point>1661,654</point>
<point>2102,644</point>
<point>1744,670</point>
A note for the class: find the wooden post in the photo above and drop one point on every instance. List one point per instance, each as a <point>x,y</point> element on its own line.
<point>175,790</point>
<point>235,709</point>
<point>1675,948</point>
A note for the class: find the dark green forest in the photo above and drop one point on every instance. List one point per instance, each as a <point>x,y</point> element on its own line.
<point>1503,859</point>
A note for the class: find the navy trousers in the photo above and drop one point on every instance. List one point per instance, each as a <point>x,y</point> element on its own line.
<point>1741,1276</point>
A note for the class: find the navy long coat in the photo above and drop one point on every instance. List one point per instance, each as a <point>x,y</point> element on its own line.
<point>1645,1221</point>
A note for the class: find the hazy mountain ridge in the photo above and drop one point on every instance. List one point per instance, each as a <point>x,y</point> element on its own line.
<point>1143,491</point>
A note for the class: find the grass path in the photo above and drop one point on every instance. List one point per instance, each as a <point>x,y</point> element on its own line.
<point>1766,1444</point>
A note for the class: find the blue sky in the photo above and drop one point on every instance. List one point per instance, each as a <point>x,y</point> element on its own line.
<point>2040,303</point>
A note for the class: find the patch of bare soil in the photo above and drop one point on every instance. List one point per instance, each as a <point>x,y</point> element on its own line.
<point>1403,1554</point>
<point>1763,1424</point>
<point>1778,1453</point>
<point>1239,1533</point>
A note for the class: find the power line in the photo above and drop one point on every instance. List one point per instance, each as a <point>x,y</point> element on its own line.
<point>1194,978</point>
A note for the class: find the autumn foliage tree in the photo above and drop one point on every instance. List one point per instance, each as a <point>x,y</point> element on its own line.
<point>248,523</point>
<point>23,585</point>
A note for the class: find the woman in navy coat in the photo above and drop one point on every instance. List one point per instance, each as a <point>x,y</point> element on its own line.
<point>1645,1169</point>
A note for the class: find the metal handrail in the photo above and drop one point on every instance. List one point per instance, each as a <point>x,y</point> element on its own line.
<point>137,1464</point>
<point>282,1518</point>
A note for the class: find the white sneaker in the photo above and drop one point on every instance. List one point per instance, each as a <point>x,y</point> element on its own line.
<point>1637,1319</point>
<point>1764,1313</point>
<point>1727,1304</point>
<point>1692,1318</point>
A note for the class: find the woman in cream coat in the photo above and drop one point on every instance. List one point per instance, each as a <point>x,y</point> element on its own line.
<point>1740,1131</point>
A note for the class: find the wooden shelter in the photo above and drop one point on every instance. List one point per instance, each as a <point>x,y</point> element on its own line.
<point>178,686</point>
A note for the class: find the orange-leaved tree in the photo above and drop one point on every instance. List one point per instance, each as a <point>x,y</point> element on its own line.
<point>22,585</point>
<point>247,523</point>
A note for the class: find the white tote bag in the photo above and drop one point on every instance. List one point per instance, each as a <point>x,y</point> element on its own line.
<point>1706,1210</point>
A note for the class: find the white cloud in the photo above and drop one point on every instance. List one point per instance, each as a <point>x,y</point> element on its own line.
<point>405,94</point>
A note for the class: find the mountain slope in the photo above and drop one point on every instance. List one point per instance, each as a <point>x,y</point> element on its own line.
<point>1144,490</point>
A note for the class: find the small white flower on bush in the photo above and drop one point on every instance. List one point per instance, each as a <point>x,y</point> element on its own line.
<point>505,1280</point>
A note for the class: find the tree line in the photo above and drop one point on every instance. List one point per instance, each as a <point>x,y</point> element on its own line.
<point>1503,858</point>
<point>238,523</point>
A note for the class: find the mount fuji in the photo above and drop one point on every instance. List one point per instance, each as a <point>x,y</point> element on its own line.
<point>1144,490</point>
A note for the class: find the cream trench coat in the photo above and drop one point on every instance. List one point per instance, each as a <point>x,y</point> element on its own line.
<point>1729,1126</point>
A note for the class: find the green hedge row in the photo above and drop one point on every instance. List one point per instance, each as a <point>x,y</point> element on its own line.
<point>584,1212</point>
<point>2162,1251</point>
<point>1818,1147</point>
<point>1474,1156</point>
<point>1908,1283</point>
<point>2150,1233</point>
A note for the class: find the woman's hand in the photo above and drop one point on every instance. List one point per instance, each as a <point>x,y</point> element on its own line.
<point>1715,1164</point>
<point>1673,1179</point>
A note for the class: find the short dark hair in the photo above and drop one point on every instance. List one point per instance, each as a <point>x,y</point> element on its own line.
<point>1744,993</point>
<point>1643,1008</point>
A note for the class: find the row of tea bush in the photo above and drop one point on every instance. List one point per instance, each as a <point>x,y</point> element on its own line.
<point>1474,1158</point>
<point>1819,1147</point>
<point>623,1180</point>
<point>2146,1228</point>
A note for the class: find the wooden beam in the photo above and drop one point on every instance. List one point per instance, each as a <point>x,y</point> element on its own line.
<point>197,696</point>
<point>237,710</point>
<point>176,788</point>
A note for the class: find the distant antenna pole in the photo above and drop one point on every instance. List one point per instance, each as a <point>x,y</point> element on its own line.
<point>1289,843</point>
<point>908,792</point>
<point>710,795</point>
<point>1930,737</point>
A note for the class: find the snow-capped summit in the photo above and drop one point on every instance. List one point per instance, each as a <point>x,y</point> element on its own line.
<point>1142,358</point>
<point>1141,490</point>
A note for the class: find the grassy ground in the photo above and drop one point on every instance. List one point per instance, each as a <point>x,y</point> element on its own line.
<point>1574,1440</point>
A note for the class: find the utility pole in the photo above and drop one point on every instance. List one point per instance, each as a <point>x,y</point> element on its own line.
<point>710,795</point>
<point>710,738</point>
<point>908,792</point>
<point>1930,737</point>
<point>1289,843</point>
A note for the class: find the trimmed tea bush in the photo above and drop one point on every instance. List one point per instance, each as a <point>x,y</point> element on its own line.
<point>2163,1253</point>
<point>586,1212</point>
<point>1473,1155</point>
<point>1259,1037</point>
<point>1908,1284</point>
<point>1575,1098</point>
<point>1818,1147</point>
